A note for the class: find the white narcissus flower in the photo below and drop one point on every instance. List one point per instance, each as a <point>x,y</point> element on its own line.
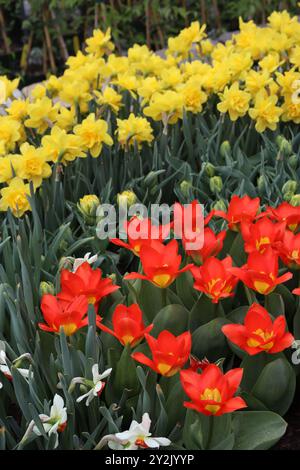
<point>138,436</point>
<point>96,385</point>
<point>79,261</point>
<point>53,424</point>
<point>4,368</point>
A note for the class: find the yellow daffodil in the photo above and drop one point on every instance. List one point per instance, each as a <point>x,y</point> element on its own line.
<point>134,130</point>
<point>234,101</point>
<point>265,112</point>
<point>93,134</point>
<point>15,197</point>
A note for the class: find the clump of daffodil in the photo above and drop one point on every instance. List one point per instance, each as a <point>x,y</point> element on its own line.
<point>100,43</point>
<point>32,164</point>
<point>109,97</point>
<point>10,132</point>
<point>42,113</point>
<point>15,197</point>
<point>93,134</point>
<point>234,101</point>
<point>265,112</point>
<point>62,147</point>
<point>134,130</point>
<point>166,107</point>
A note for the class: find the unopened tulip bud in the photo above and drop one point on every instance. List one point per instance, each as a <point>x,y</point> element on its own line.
<point>295,200</point>
<point>225,148</point>
<point>219,206</point>
<point>126,198</point>
<point>46,288</point>
<point>113,277</point>
<point>216,184</point>
<point>289,187</point>
<point>151,179</point>
<point>287,196</point>
<point>261,183</point>
<point>209,169</point>
<point>88,207</point>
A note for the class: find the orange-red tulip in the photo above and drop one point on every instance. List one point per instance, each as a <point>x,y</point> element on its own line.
<point>141,231</point>
<point>261,234</point>
<point>296,291</point>
<point>85,281</point>
<point>240,209</point>
<point>161,263</point>
<point>70,316</point>
<point>259,333</point>
<point>212,392</point>
<point>128,325</point>
<point>215,279</point>
<point>260,273</point>
<point>289,249</point>
<point>169,352</point>
<point>213,244</point>
<point>287,213</point>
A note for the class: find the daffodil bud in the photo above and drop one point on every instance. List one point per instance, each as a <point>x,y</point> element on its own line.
<point>284,145</point>
<point>289,187</point>
<point>113,277</point>
<point>88,207</point>
<point>185,187</point>
<point>261,183</point>
<point>127,197</point>
<point>225,148</point>
<point>209,169</point>
<point>216,184</point>
<point>293,161</point>
<point>46,288</point>
<point>295,200</point>
<point>151,179</point>
<point>219,206</point>
<point>66,263</point>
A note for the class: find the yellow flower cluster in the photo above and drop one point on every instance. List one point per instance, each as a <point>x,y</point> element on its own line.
<point>256,74</point>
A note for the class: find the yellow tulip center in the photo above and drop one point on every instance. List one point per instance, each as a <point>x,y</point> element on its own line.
<point>212,394</point>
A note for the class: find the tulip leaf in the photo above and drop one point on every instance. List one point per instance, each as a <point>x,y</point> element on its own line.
<point>173,318</point>
<point>203,312</point>
<point>274,304</point>
<point>209,341</point>
<point>257,430</point>
<point>276,386</point>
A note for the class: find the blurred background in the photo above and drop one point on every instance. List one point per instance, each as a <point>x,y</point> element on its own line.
<point>37,36</point>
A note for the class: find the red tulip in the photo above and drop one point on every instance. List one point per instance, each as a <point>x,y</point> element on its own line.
<point>240,209</point>
<point>141,231</point>
<point>213,244</point>
<point>189,218</point>
<point>287,213</point>
<point>160,263</point>
<point>261,234</point>
<point>128,326</point>
<point>212,392</point>
<point>85,281</point>
<point>259,333</point>
<point>215,279</point>
<point>70,316</point>
<point>169,352</point>
<point>296,291</point>
<point>289,249</point>
<point>260,273</point>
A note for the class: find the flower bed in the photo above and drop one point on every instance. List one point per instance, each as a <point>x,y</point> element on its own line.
<point>101,335</point>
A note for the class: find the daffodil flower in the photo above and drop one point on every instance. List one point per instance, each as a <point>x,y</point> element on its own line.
<point>137,437</point>
<point>95,386</point>
<point>4,367</point>
<point>53,424</point>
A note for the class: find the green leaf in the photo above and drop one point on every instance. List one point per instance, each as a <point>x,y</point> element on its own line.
<point>173,318</point>
<point>209,341</point>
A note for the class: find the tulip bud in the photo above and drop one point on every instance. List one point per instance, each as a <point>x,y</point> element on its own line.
<point>289,187</point>
<point>219,206</point>
<point>225,148</point>
<point>216,184</point>
<point>127,197</point>
<point>151,179</point>
<point>46,288</point>
<point>284,145</point>
<point>209,169</point>
<point>185,187</point>
<point>295,200</point>
<point>88,207</point>
<point>293,161</point>
<point>113,277</point>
